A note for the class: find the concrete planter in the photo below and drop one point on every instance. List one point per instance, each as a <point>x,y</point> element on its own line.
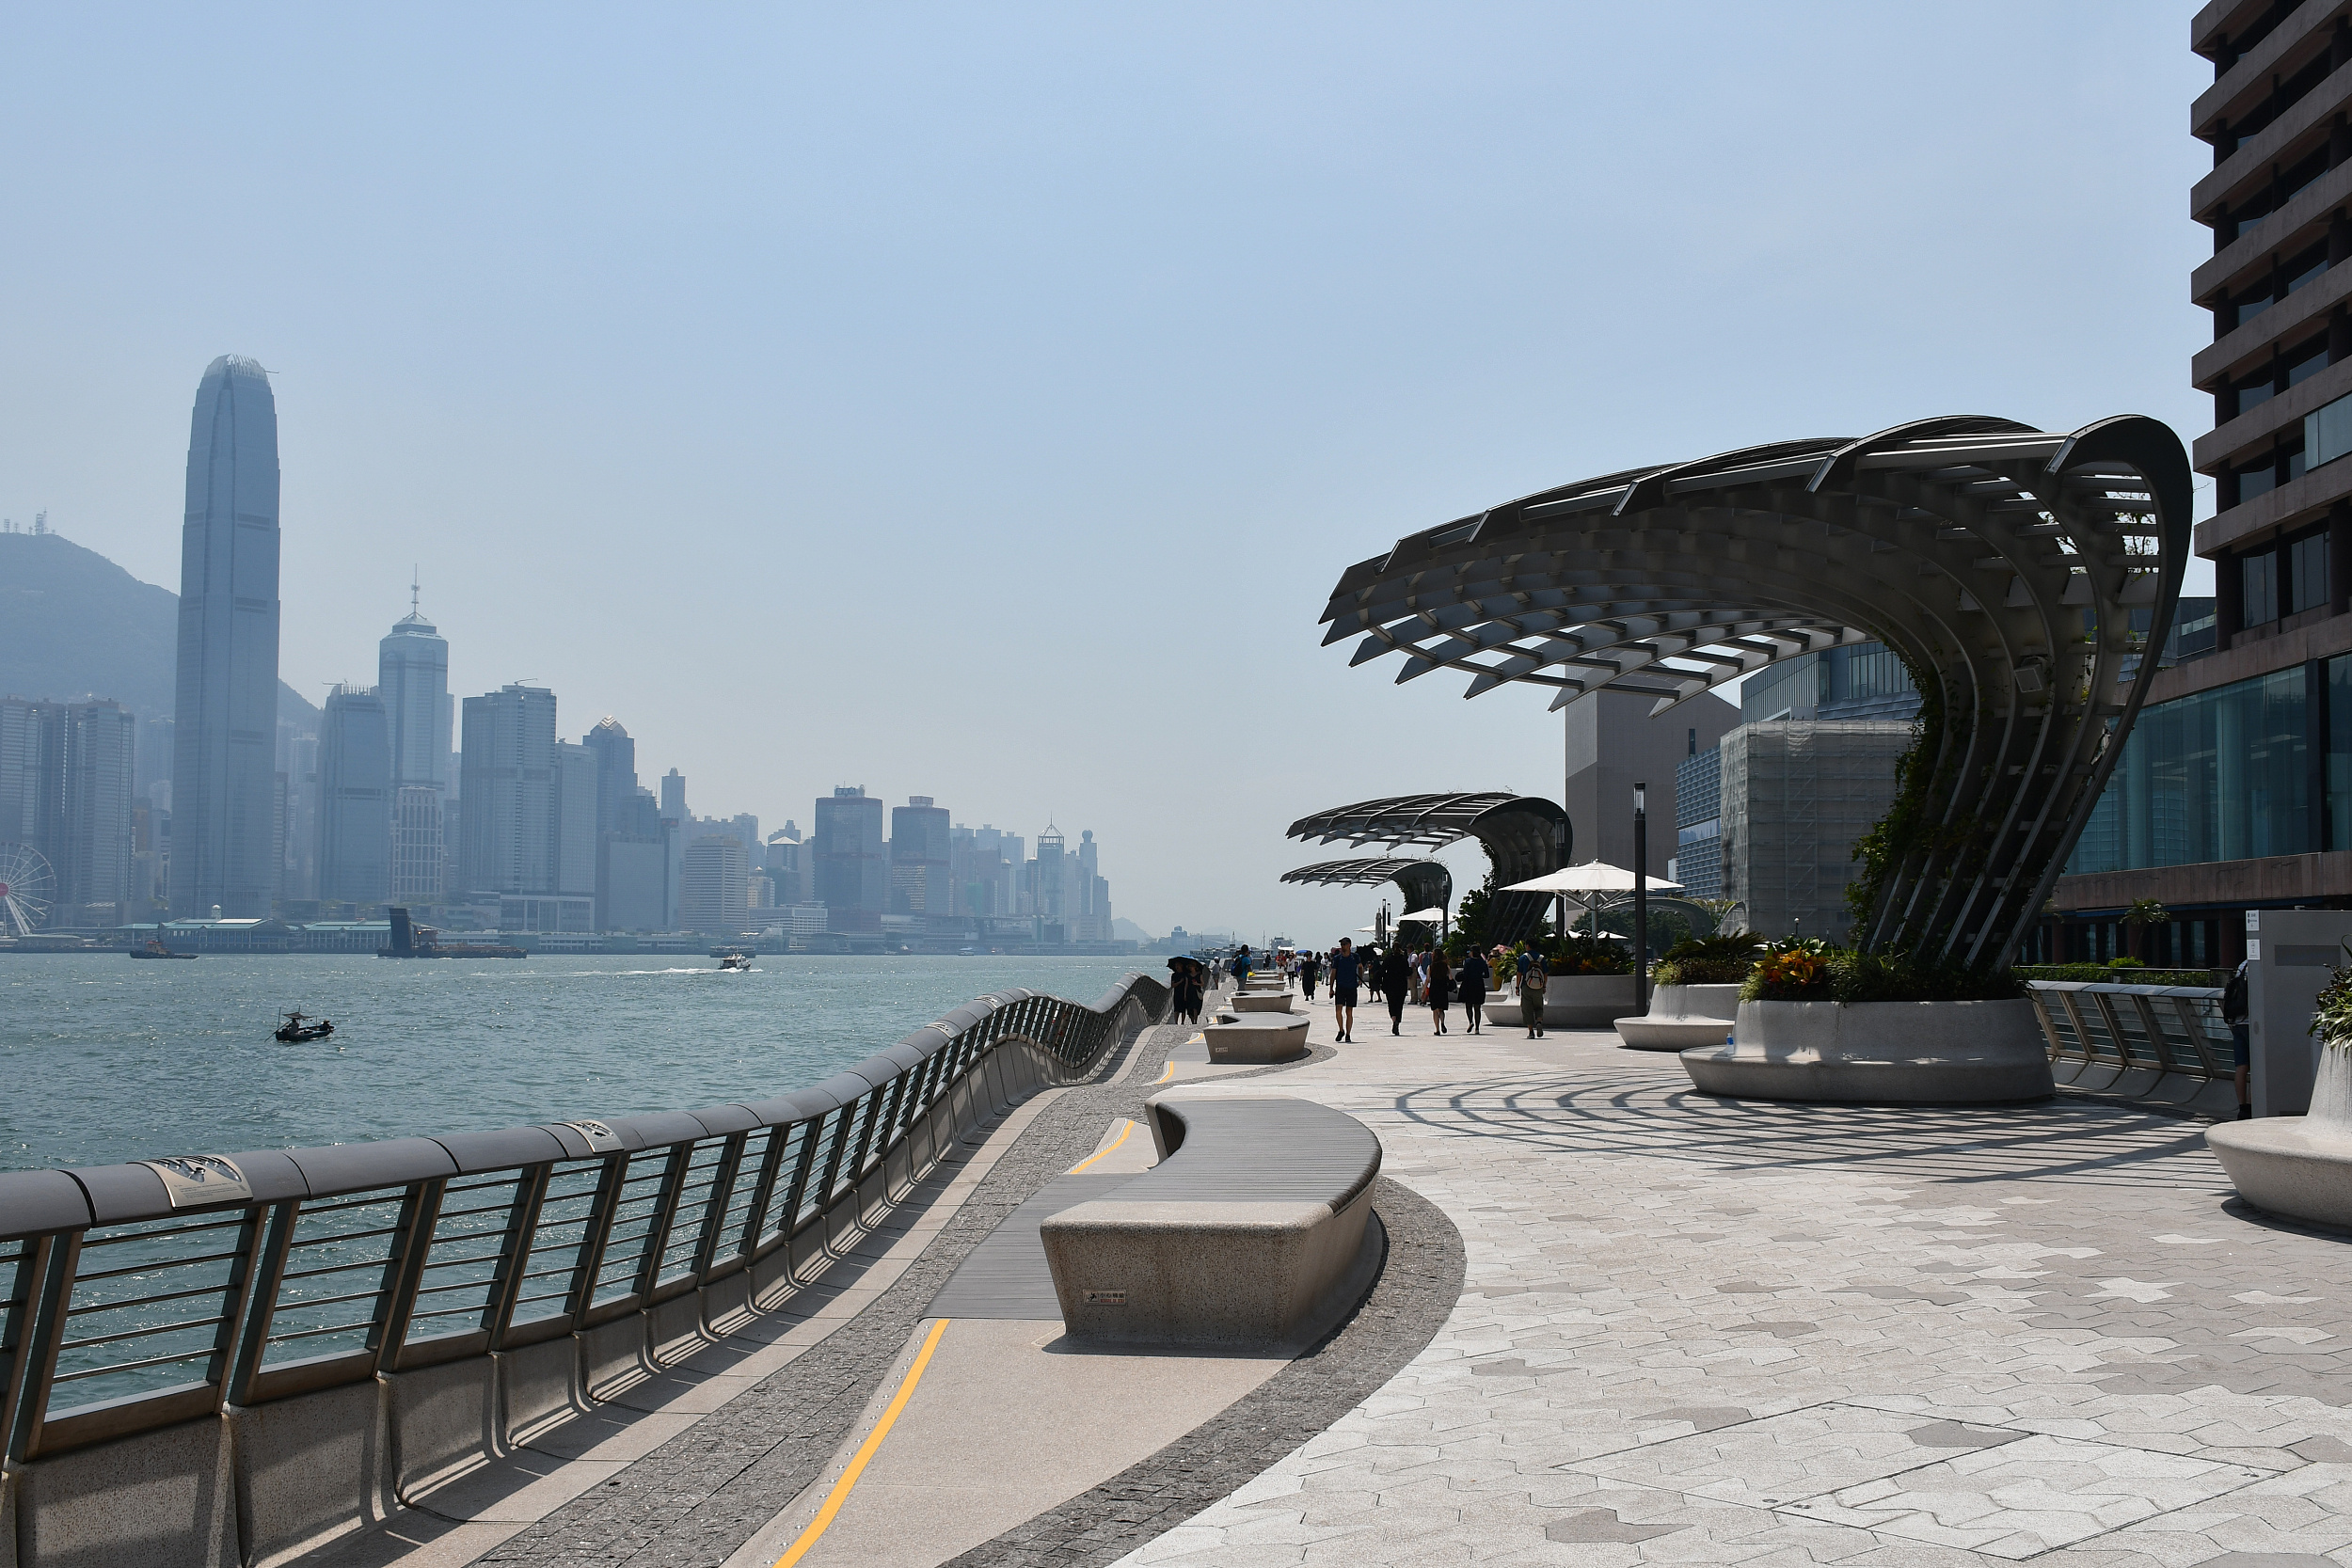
<point>1880,1054</point>
<point>1682,1017</point>
<point>1571,1002</point>
<point>2298,1166</point>
<point>1263,1001</point>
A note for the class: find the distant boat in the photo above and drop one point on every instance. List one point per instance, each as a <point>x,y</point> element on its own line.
<point>294,1031</point>
<point>735,960</point>
<point>153,948</point>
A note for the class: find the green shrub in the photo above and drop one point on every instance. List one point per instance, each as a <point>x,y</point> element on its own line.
<point>1815,971</point>
<point>1724,960</point>
<point>1589,955</point>
<point>2103,974</point>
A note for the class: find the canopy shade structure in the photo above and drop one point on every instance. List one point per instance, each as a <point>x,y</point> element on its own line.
<point>1523,837</point>
<point>1421,882</point>
<point>1592,877</point>
<point>2003,564</point>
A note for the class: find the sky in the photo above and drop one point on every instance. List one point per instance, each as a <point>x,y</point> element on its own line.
<point>979,402</point>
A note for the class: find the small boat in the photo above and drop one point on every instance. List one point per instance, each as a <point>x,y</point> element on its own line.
<point>155,948</point>
<point>735,960</point>
<point>295,1030</point>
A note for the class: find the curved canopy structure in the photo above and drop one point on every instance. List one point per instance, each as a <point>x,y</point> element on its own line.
<point>1422,883</point>
<point>1523,837</point>
<point>2002,563</point>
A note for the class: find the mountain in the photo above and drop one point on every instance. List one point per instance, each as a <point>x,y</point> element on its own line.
<point>73,624</point>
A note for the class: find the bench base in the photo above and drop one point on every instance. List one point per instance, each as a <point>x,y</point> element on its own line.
<point>1257,1038</point>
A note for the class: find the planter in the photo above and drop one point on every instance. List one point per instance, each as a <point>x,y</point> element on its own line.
<point>1682,1017</point>
<point>1263,1001</point>
<point>1880,1054</point>
<point>2298,1166</point>
<point>1570,1002</point>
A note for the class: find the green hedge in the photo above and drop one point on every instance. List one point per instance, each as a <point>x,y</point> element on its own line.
<point>2123,974</point>
<point>1812,970</point>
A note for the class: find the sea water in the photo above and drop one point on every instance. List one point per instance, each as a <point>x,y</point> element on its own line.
<point>104,1058</point>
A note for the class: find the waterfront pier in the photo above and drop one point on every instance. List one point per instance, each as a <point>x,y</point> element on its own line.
<point>1610,1321</point>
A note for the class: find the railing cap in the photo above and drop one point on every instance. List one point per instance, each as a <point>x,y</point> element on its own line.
<point>357,1167</point>
<point>800,1105</point>
<point>120,1193</point>
<point>842,1087</point>
<point>508,1146</point>
<point>33,1201</point>
<point>655,1128</point>
<point>718,1120</point>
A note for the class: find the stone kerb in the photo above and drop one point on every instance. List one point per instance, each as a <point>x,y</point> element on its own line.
<point>1251,1230</point>
<point>1682,1017</point>
<point>2298,1166</point>
<point>1879,1053</point>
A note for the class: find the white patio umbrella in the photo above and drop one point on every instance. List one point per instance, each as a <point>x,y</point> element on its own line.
<point>1428,917</point>
<point>1592,877</point>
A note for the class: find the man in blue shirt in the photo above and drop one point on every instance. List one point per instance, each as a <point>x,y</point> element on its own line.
<point>1343,989</point>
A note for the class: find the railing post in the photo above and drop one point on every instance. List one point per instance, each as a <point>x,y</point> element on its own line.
<point>715,1208</point>
<point>664,1221</point>
<point>756,1212</point>
<point>803,1166</point>
<point>522,1233</point>
<point>269,1276</point>
<point>593,1237</point>
<point>48,1291</point>
<point>840,1143</point>
<point>404,1270</point>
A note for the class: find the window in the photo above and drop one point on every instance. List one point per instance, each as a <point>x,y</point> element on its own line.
<point>2257,479</point>
<point>2307,361</point>
<point>2307,573</point>
<point>2306,267</point>
<point>2254,393</point>
<point>2328,431</point>
<point>2260,575</point>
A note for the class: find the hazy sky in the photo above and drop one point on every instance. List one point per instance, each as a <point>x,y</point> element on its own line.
<point>979,402</point>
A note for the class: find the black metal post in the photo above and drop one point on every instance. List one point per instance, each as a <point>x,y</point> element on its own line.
<point>1641,899</point>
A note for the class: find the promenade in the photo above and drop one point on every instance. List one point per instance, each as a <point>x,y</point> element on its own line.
<point>1621,1324</point>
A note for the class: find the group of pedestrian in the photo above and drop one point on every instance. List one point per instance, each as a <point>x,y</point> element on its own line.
<point>1188,981</point>
<point>1426,977</point>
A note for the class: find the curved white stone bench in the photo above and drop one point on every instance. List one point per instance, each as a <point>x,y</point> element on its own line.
<point>1249,1231</point>
<point>1263,1001</point>
<point>2298,1166</point>
<point>1255,1036</point>
<point>1680,1016</point>
<point>1880,1054</point>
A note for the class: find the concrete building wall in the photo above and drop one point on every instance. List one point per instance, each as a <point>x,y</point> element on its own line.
<point>1613,743</point>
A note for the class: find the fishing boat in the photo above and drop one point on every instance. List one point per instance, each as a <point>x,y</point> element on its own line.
<point>735,960</point>
<point>296,1030</point>
<point>153,948</point>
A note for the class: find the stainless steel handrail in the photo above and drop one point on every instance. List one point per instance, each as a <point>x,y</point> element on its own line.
<point>2175,1029</point>
<point>217,1267</point>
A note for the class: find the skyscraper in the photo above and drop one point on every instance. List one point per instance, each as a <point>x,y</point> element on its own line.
<point>412,677</point>
<point>355,860</point>
<point>225,726</point>
<point>919,883</point>
<point>508,832</point>
<point>852,875</point>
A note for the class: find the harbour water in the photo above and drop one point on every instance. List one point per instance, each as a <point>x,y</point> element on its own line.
<point>103,1059</point>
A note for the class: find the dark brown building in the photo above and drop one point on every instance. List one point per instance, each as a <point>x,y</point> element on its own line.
<point>2236,790</point>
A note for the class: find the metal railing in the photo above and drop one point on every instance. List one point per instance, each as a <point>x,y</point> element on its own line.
<point>136,1296</point>
<point>2175,1029</point>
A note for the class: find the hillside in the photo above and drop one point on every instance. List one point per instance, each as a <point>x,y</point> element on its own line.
<point>74,623</point>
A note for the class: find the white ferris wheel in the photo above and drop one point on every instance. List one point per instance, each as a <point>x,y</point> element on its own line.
<point>28,889</point>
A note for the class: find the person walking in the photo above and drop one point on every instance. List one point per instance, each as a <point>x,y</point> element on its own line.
<point>1471,978</point>
<point>1344,989</point>
<point>1441,990</point>
<point>1533,983</point>
<point>1306,976</point>
<point>1396,984</point>
<point>1241,965</point>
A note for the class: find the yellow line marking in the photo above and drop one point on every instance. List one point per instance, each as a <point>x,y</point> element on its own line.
<point>1196,1038</point>
<point>1123,1135</point>
<point>1166,1074</point>
<point>840,1492</point>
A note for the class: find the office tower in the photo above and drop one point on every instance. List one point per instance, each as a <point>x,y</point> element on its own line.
<point>632,882</point>
<point>412,677</point>
<point>1613,742</point>
<point>225,714</point>
<point>66,777</point>
<point>919,880</point>
<point>676,819</point>
<point>575,819</point>
<point>674,795</point>
<point>615,757</point>
<point>418,840</point>
<point>1697,862</point>
<point>507,833</point>
<point>1795,795</point>
<point>355,856</point>
<point>1091,893</point>
<point>1049,891</point>
<point>851,875</point>
<point>712,897</point>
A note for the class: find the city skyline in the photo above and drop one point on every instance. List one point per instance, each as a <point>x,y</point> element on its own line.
<point>669,384</point>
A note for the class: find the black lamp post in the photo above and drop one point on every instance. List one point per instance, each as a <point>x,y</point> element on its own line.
<point>1641,898</point>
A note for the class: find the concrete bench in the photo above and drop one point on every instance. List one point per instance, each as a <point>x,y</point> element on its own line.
<point>1682,1017</point>
<point>1239,1036</point>
<point>1249,1231</point>
<point>1263,1001</point>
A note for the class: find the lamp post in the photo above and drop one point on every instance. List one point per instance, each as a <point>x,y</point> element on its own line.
<point>1641,898</point>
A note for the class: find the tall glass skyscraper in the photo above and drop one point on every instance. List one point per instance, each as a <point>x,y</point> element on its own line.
<point>412,675</point>
<point>226,712</point>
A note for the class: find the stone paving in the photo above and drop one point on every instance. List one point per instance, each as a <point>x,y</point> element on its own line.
<point>1702,1331</point>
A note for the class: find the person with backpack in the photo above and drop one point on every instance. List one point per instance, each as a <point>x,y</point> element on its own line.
<point>1533,983</point>
<point>2233,1013</point>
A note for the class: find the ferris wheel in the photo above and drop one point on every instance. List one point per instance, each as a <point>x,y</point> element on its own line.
<point>27,888</point>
